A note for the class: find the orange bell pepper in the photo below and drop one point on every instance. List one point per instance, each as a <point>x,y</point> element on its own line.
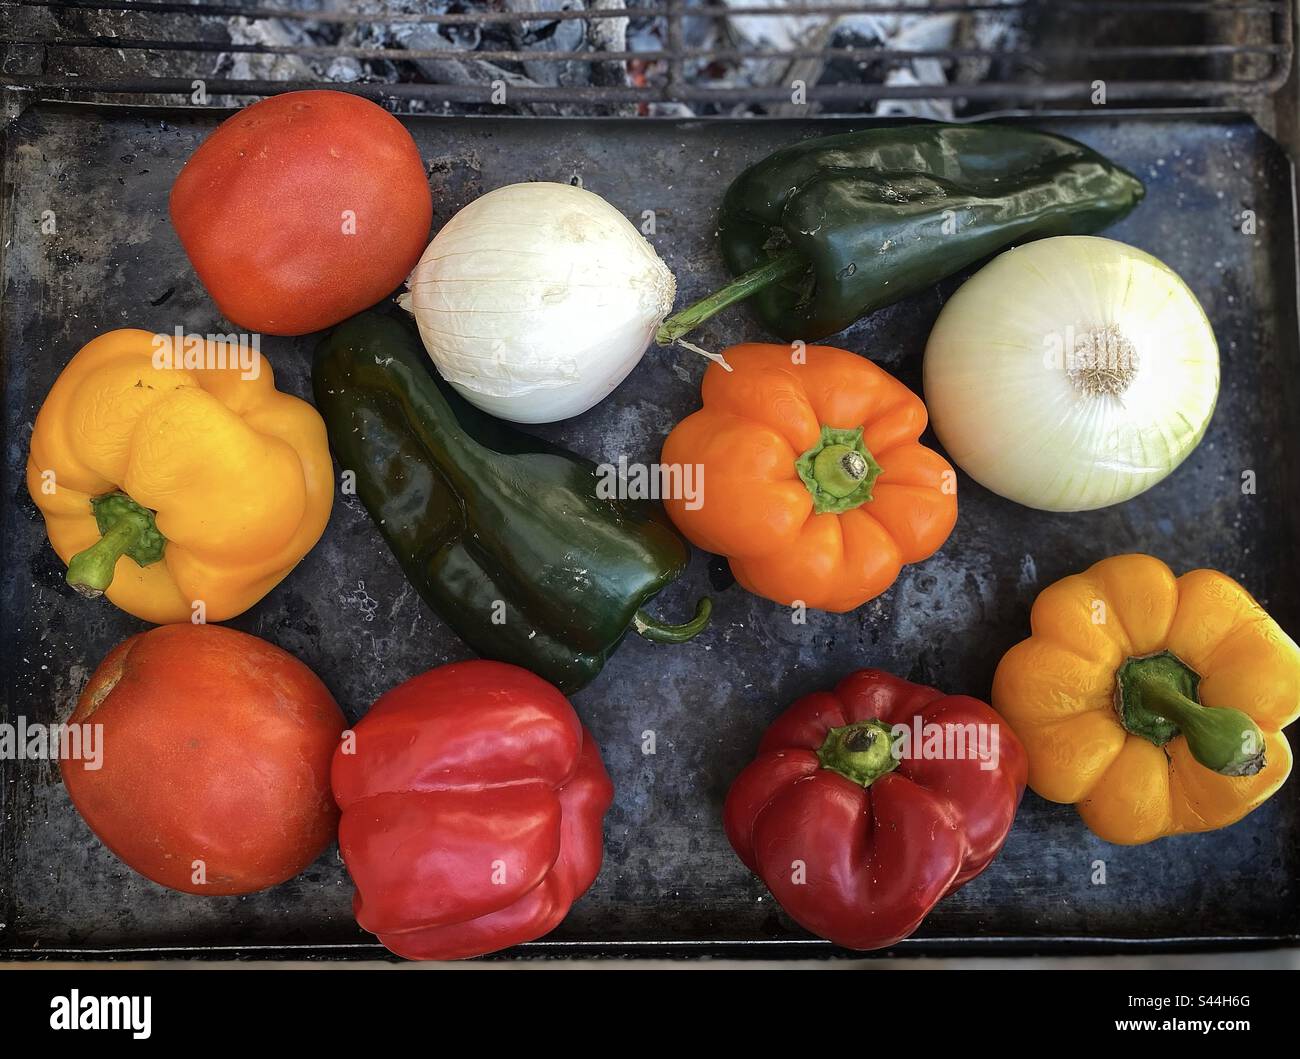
<point>814,484</point>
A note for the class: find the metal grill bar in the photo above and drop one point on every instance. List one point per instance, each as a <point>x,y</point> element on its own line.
<point>1052,92</point>
<point>515,17</point>
<point>1251,57</point>
<point>1040,55</point>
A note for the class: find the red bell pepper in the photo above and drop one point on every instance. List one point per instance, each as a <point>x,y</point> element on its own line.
<point>868,804</point>
<point>473,801</point>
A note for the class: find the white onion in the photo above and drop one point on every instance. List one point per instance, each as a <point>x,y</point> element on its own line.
<point>1071,373</point>
<point>537,299</point>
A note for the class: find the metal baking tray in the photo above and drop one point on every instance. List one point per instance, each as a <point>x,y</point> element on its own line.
<point>670,883</point>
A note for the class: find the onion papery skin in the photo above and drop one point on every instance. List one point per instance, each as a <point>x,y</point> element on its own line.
<point>536,300</point>
<point>1007,378</point>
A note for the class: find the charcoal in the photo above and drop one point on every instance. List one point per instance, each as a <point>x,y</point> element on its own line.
<point>302,50</point>
<point>610,35</point>
<point>556,35</point>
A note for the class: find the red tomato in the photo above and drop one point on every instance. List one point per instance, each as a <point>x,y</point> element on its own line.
<point>215,759</point>
<point>302,210</point>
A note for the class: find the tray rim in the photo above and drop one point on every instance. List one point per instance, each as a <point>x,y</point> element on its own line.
<point>695,948</point>
<point>688,949</point>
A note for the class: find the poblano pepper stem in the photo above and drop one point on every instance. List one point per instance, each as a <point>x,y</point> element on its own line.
<point>784,264</point>
<point>127,529</point>
<point>1157,701</point>
<point>861,752</point>
<point>657,632</point>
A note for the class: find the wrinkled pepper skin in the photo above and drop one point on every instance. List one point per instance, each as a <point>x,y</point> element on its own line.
<point>478,513</point>
<point>233,474</point>
<point>861,861</point>
<point>473,802</point>
<point>1061,691</point>
<point>884,213</point>
<point>761,504</point>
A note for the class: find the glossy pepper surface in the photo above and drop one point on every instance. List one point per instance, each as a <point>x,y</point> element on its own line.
<point>814,484</point>
<point>859,830</point>
<point>1152,703</point>
<point>473,801</point>
<point>163,485</point>
<point>506,536</point>
<point>825,231</point>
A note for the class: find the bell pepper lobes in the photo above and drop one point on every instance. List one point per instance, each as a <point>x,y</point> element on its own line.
<point>868,804</point>
<point>1152,703</point>
<point>825,231</point>
<point>504,535</point>
<point>164,485</point>
<point>814,484</point>
<point>473,801</point>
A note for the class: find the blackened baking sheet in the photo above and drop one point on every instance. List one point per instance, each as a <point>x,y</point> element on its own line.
<point>670,883</point>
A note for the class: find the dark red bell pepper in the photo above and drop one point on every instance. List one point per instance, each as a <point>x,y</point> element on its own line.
<point>868,804</point>
<point>473,801</point>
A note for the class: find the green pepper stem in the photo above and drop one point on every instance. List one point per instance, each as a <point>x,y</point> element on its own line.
<point>658,632</point>
<point>91,571</point>
<point>126,528</point>
<point>1222,739</point>
<point>838,470</point>
<point>861,752</point>
<point>784,264</point>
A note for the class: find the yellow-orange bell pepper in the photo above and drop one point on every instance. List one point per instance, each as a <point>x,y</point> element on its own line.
<point>165,486</point>
<point>1154,704</point>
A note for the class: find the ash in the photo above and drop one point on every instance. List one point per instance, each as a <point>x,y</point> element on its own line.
<point>582,62</point>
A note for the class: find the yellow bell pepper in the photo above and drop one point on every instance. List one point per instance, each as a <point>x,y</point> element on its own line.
<point>164,486</point>
<point>1153,704</point>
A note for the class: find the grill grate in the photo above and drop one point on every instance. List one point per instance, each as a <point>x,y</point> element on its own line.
<point>603,56</point>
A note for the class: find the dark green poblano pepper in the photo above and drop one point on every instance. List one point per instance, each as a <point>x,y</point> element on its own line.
<point>504,535</point>
<point>825,231</point>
